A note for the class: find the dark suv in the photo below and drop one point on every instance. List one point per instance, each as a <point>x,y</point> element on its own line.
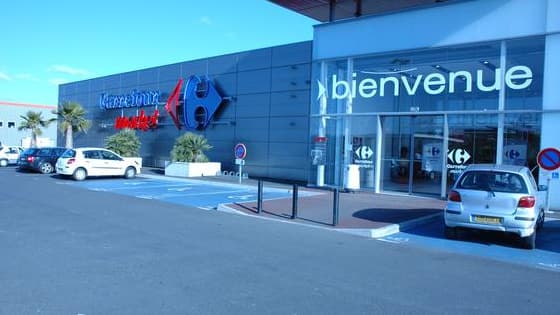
<point>40,159</point>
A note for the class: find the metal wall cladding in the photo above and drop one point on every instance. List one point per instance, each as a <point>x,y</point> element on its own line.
<point>267,95</point>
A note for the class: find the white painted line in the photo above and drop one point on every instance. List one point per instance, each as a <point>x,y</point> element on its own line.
<point>179,189</point>
<point>242,197</point>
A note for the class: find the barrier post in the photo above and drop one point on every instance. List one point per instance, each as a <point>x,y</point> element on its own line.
<point>259,195</point>
<point>294,201</point>
<point>335,206</point>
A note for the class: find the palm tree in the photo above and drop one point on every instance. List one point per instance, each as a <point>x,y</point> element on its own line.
<point>34,121</point>
<point>190,147</point>
<point>72,116</point>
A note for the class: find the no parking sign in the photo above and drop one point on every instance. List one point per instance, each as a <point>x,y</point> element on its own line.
<point>549,159</point>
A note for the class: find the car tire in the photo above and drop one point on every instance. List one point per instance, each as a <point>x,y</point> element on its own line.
<point>46,168</point>
<point>529,242</point>
<point>450,233</point>
<point>79,174</point>
<point>3,163</point>
<point>130,172</point>
<point>540,220</point>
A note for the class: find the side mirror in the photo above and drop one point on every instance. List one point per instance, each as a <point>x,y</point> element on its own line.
<point>542,188</point>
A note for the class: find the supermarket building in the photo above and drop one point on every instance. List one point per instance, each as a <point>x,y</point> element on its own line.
<point>404,93</point>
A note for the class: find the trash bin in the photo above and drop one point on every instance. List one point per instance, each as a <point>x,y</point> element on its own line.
<point>352,178</point>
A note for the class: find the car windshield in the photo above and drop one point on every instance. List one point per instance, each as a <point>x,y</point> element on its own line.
<point>493,181</point>
<point>30,151</point>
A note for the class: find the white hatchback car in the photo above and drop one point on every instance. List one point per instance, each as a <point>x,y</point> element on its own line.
<point>498,198</point>
<point>9,155</point>
<point>83,162</point>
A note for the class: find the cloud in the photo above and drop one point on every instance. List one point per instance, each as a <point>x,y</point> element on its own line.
<point>4,76</point>
<point>205,20</point>
<point>68,70</point>
<point>58,81</point>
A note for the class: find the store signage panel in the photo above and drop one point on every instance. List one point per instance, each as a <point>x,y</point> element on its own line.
<point>134,99</point>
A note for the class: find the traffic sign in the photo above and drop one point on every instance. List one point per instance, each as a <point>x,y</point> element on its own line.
<point>549,159</point>
<point>240,151</point>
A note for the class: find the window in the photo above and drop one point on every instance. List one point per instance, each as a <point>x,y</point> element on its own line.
<point>1,124</point>
<point>11,124</point>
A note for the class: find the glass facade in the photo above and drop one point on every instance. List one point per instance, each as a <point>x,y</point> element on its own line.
<point>412,120</point>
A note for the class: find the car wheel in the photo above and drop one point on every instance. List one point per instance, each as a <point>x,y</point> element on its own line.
<point>46,168</point>
<point>529,242</point>
<point>79,174</point>
<point>450,233</point>
<point>130,172</point>
<point>540,220</point>
<point>3,163</point>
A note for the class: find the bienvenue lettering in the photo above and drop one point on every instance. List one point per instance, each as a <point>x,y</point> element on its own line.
<point>134,99</point>
<point>515,78</point>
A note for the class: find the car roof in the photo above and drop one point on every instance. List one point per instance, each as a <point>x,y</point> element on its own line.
<point>496,167</point>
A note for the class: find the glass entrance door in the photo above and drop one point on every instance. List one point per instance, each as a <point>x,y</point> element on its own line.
<point>413,154</point>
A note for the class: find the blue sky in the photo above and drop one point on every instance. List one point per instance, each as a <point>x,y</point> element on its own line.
<point>46,43</point>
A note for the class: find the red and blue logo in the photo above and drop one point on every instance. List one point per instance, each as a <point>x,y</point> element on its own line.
<point>201,100</point>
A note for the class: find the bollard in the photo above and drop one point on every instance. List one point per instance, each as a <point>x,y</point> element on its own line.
<point>335,206</point>
<point>294,201</point>
<point>259,195</point>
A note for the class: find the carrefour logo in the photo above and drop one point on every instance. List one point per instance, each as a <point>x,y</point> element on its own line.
<point>516,78</point>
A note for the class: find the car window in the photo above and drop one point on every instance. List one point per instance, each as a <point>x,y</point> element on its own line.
<point>30,151</point>
<point>69,154</point>
<point>60,151</point>
<point>44,152</point>
<point>109,155</point>
<point>94,154</point>
<point>493,181</point>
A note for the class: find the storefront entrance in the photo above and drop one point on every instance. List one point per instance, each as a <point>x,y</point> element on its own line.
<point>413,154</point>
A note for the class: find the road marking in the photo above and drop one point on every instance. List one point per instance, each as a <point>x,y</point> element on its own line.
<point>553,266</point>
<point>242,197</point>
<point>395,240</point>
<point>179,189</point>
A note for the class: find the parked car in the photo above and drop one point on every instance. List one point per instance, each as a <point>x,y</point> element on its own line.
<point>81,163</point>
<point>9,155</point>
<point>40,159</point>
<point>501,198</point>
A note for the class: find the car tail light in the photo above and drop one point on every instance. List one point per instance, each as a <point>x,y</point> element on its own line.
<point>526,202</point>
<point>70,161</point>
<point>30,159</point>
<point>454,196</point>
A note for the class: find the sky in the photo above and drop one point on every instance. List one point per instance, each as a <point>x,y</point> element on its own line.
<point>47,43</point>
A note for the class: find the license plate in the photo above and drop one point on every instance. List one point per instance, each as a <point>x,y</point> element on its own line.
<point>487,220</point>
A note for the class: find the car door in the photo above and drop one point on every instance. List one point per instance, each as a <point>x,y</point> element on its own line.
<point>93,162</point>
<point>113,164</point>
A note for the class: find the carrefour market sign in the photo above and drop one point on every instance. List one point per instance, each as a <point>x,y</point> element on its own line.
<point>133,99</point>
<point>515,78</point>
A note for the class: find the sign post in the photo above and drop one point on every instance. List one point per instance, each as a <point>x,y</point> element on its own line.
<point>549,160</point>
<point>240,152</point>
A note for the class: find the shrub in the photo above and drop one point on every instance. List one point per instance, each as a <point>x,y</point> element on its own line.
<point>190,147</point>
<point>125,142</point>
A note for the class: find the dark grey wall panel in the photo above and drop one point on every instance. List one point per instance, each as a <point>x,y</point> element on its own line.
<point>253,105</point>
<point>257,153</point>
<point>297,53</point>
<point>129,80</point>
<point>196,67</point>
<point>147,76</point>
<point>170,72</point>
<point>290,129</point>
<point>217,132</point>
<point>252,129</point>
<point>255,59</point>
<point>282,155</point>
<point>294,77</point>
<point>290,103</point>
<point>222,64</point>
<point>256,81</point>
<point>97,85</point>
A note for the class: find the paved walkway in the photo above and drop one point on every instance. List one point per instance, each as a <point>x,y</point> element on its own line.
<point>363,213</point>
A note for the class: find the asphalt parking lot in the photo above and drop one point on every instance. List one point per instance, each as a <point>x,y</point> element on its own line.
<point>207,195</point>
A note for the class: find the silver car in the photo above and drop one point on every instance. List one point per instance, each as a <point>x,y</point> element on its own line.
<point>498,198</point>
